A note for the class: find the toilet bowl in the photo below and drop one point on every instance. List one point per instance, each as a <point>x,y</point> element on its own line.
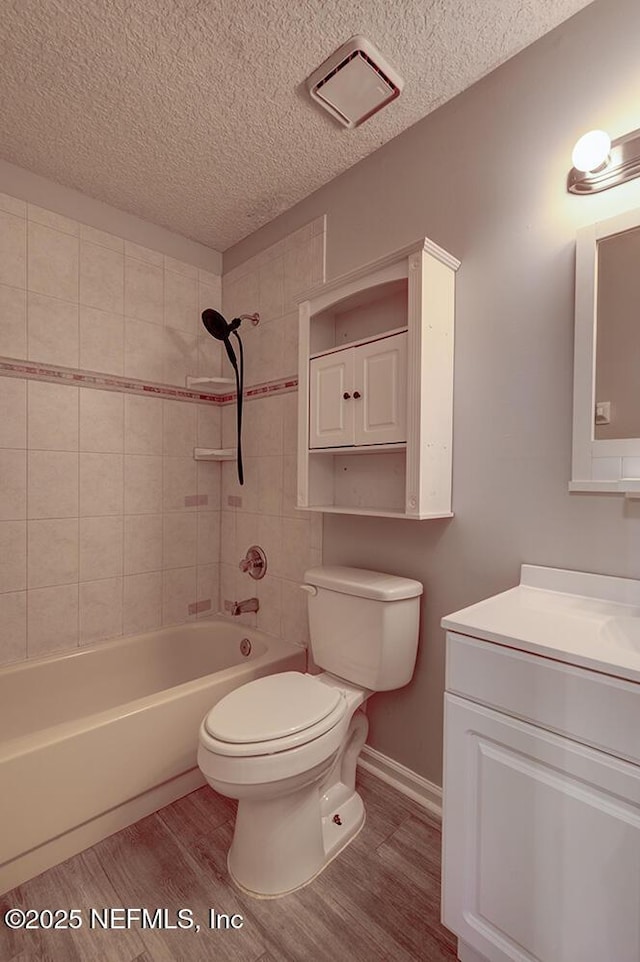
<point>294,780</point>
<point>286,746</point>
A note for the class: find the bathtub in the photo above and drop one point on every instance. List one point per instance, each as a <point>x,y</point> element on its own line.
<point>94,739</point>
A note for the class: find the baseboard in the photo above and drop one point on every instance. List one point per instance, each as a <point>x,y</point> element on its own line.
<point>414,786</point>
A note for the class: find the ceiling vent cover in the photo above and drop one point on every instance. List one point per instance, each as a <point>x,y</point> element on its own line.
<point>355,82</point>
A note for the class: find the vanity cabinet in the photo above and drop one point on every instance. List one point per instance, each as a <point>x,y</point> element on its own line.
<point>375,388</point>
<point>358,395</point>
<point>541,812</point>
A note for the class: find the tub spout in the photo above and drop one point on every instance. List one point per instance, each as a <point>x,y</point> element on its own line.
<point>241,607</point>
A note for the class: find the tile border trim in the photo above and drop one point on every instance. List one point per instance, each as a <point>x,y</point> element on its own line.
<point>281,386</point>
<point>35,371</point>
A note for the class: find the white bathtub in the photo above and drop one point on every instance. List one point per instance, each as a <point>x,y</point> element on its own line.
<point>92,740</point>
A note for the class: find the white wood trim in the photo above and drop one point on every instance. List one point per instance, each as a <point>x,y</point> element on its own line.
<point>406,781</point>
<point>415,388</point>
<point>437,376</point>
<point>361,448</point>
<point>584,353</point>
<point>333,292</point>
<point>615,448</point>
<point>375,512</point>
<point>304,340</point>
<point>424,244</point>
<point>429,387</point>
<point>630,487</point>
<point>602,487</point>
<point>363,340</point>
<point>617,224</point>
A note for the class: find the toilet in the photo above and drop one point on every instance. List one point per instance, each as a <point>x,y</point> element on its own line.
<point>286,745</point>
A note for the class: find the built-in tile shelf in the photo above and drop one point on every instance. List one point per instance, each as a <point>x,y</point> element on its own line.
<point>214,454</point>
<point>212,385</point>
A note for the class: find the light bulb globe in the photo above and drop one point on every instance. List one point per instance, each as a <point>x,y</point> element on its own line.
<point>591,151</point>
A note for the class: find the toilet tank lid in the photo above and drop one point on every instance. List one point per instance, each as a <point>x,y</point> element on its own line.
<point>363,583</point>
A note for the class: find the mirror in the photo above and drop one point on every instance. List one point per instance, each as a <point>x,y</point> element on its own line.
<point>617,392</point>
<point>606,400</point>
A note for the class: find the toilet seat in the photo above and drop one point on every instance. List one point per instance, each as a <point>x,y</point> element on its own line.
<point>273,714</point>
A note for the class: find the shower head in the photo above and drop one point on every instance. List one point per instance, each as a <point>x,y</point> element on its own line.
<point>220,328</point>
<point>217,326</point>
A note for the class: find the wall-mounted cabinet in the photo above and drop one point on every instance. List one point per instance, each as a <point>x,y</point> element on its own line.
<point>376,388</point>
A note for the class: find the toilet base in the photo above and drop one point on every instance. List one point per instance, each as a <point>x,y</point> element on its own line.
<point>283,842</point>
<point>342,819</point>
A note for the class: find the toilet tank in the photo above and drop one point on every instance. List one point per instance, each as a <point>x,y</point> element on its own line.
<point>363,625</point>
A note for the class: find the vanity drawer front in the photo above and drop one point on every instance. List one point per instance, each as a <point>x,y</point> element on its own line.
<point>584,705</point>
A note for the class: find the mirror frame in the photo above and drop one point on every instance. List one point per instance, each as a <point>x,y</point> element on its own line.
<point>612,464</point>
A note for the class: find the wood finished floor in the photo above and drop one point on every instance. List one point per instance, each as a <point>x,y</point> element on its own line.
<point>379,900</point>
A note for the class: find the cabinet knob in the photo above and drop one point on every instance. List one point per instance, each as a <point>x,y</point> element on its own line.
<point>357,394</point>
<point>346,395</point>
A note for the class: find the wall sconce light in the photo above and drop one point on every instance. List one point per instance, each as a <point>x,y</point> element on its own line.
<point>600,163</point>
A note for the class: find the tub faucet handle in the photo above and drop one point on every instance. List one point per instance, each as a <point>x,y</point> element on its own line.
<point>254,562</point>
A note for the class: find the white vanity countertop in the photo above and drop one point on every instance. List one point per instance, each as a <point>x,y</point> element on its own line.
<point>588,620</point>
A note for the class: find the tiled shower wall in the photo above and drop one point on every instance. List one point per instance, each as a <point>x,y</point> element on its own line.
<point>263,511</point>
<point>107,524</point>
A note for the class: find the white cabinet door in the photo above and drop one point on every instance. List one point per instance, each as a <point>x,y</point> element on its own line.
<point>541,843</point>
<point>380,391</point>
<point>359,395</point>
<point>330,412</point>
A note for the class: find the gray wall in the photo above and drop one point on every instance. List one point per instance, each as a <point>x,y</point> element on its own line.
<point>484,176</point>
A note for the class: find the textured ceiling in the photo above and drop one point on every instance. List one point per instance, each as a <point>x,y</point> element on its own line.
<point>192,114</point>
